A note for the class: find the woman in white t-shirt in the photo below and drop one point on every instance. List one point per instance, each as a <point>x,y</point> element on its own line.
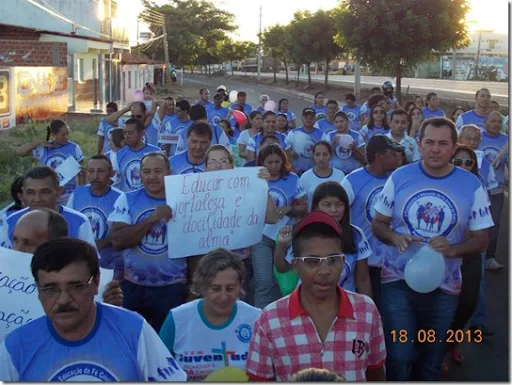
<point>322,172</point>
<point>256,118</point>
<point>214,331</point>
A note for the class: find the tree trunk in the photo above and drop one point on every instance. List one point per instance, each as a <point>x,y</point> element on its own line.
<point>286,69</point>
<point>299,66</point>
<point>232,69</point>
<point>309,74</point>
<point>326,70</point>
<point>398,85</point>
<point>317,68</point>
<point>192,70</point>
<point>274,66</point>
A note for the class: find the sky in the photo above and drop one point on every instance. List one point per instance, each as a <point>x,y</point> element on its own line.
<point>485,14</point>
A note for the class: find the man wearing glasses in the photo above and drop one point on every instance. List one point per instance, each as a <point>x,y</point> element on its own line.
<point>79,339</point>
<point>319,325</point>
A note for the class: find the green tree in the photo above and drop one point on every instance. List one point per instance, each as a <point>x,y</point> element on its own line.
<point>273,43</point>
<point>394,35</point>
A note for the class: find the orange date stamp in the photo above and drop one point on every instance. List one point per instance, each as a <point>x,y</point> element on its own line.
<point>428,336</point>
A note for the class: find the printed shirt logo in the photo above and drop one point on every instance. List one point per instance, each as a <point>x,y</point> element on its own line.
<point>371,202</point>
<point>347,271</point>
<point>351,115</point>
<point>55,160</point>
<point>244,333</point>
<point>430,213</point>
<point>216,118</point>
<point>83,372</point>
<point>342,152</point>
<point>98,221</point>
<point>278,197</point>
<point>132,174</point>
<point>490,152</point>
<point>154,242</point>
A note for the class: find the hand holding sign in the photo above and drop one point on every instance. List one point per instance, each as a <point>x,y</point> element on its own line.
<point>67,170</point>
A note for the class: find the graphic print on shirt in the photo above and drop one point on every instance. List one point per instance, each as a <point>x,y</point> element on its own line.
<point>132,174</point>
<point>216,118</point>
<point>490,152</point>
<point>98,221</point>
<point>55,160</point>
<point>430,213</point>
<point>304,145</point>
<point>154,242</point>
<point>343,152</point>
<point>278,197</point>
<point>83,372</point>
<point>244,333</point>
<point>371,202</point>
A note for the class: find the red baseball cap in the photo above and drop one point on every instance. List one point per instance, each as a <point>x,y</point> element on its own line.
<point>318,217</point>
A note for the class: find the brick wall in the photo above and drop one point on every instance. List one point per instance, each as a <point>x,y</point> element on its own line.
<point>15,53</point>
<point>9,33</point>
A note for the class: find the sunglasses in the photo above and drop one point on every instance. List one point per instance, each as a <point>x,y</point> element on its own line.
<point>466,162</point>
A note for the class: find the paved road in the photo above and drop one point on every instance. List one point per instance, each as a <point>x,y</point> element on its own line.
<point>450,89</point>
<point>488,361</point>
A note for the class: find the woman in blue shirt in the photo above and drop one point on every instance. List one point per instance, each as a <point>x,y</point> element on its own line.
<point>282,108</point>
<point>377,123</point>
<point>54,152</point>
<point>291,203</point>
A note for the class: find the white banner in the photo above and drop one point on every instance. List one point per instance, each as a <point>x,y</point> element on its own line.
<point>19,303</point>
<point>215,209</point>
<point>168,138</point>
<point>67,170</point>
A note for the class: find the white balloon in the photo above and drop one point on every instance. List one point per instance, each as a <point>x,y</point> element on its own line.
<point>303,145</point>
<point>425,271</point>
<point>233,96</point>
<point>345,140</point>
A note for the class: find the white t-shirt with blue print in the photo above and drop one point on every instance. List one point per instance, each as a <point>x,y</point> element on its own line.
<point>363,189</point>
<point>97,209</point>
<point>122,346</point>
<point>147,263</point>
<point>54,157</point>
<point>363,251</point>
<point>426,206</point>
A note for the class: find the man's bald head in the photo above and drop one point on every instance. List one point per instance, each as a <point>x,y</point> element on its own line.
<point>36,227</point>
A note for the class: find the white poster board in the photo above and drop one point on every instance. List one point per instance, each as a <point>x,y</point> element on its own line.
<point>19,303</point>
<point>67,170</point>
<point>215,209</point>
<point>165,138</point>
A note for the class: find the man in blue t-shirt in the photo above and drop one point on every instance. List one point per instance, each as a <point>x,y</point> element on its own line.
<point>175,126</point>
<point>153,283</point>
<point>478,114</point>
<point>192,160</point>
<point>204,94</point>
<point>240,100</point>
<point>216,113</point>
<point>435,203</point>
<point>79,339</point>
<point>363,187</point>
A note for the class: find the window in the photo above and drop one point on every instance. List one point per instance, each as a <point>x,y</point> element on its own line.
<point>129,79</point>
<point>492,44</point>
<point>136,78</point>
<point>81,70</point>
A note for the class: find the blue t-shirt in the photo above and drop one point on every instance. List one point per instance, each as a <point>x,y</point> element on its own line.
<point>104,130</point>
<point>491,146</point>
<point>206,105</point>
<point>126,164</point>
<point>247,108</point>
<point>120,347</point>
<point>354,114</point>
<point>363,190</point>
<point>369,132</point>
<point>180,164</point>
<point>426,206</point>
<point>428,113</point>
<point>261,109</point>
<point>218,137</point>
<point>470,117</point>
<point>319,110</point>
<point>53,157</point>
<point>215,115</point>
<point>325,126</point>
<point>148,263</point>
<point>289,114</point>
<point>254,143</point>
<point>152,132</point>
<point>343,158</point>
<point>487,175</point>
<point>302,143</point>
<point>78,226</point>
<point>175,126</point>
<point>97,209</point>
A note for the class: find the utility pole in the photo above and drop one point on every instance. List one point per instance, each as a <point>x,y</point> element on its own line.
<point>167,71</point>
<point>478,53</point>
<point>259,48</point>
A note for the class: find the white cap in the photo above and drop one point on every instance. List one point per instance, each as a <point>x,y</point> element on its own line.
<point>264,96</point>
<point>221,87</point>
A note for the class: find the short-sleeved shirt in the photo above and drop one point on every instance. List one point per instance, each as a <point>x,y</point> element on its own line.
<point>126,163</point>
<point>289,114</point>
<point>368,132</point>
<point>428,113</point>
<point>412,152</point>
<point>302,143</point>
<point>215,115</point>
<point>319,110</point>
<point>426,206</point>
<point>244,138</point>
<point>181,164</point>
<point>218,137</point>
<point>310,180</point>
<point>78,226</point>
<point>354,116</point>
<point>175,126</point>
<point>97,209</point>
<point>54,157</point>
<point>470,117</point>
<point>254,142</point>
<point>285,340</point>
<point>363,190</point>
<point>325,126</point>
<point>122,346</point>
<point>104,130</point>
<point>343,158</point>
<point>147,263</point>
<point>283,192</point>
<point>491,146</point>
<point>247,108</point>
<point>487,174</point>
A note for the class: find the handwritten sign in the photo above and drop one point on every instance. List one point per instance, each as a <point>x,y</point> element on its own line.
<point>168,138</point>
<point>19,302</point>
<point>67,170</point>
<point>215,209</point>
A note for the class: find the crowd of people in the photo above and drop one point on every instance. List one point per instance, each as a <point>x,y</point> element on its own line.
<point>354,186</point>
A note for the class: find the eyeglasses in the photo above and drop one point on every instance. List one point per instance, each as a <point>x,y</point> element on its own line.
<point>136,116</point>
<point>73,289</point>
<point>314,262</point>
<point>221,163</point>
<point>460,161</point>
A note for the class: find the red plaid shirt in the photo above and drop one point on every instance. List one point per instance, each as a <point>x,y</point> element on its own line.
<point>285,340</point>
